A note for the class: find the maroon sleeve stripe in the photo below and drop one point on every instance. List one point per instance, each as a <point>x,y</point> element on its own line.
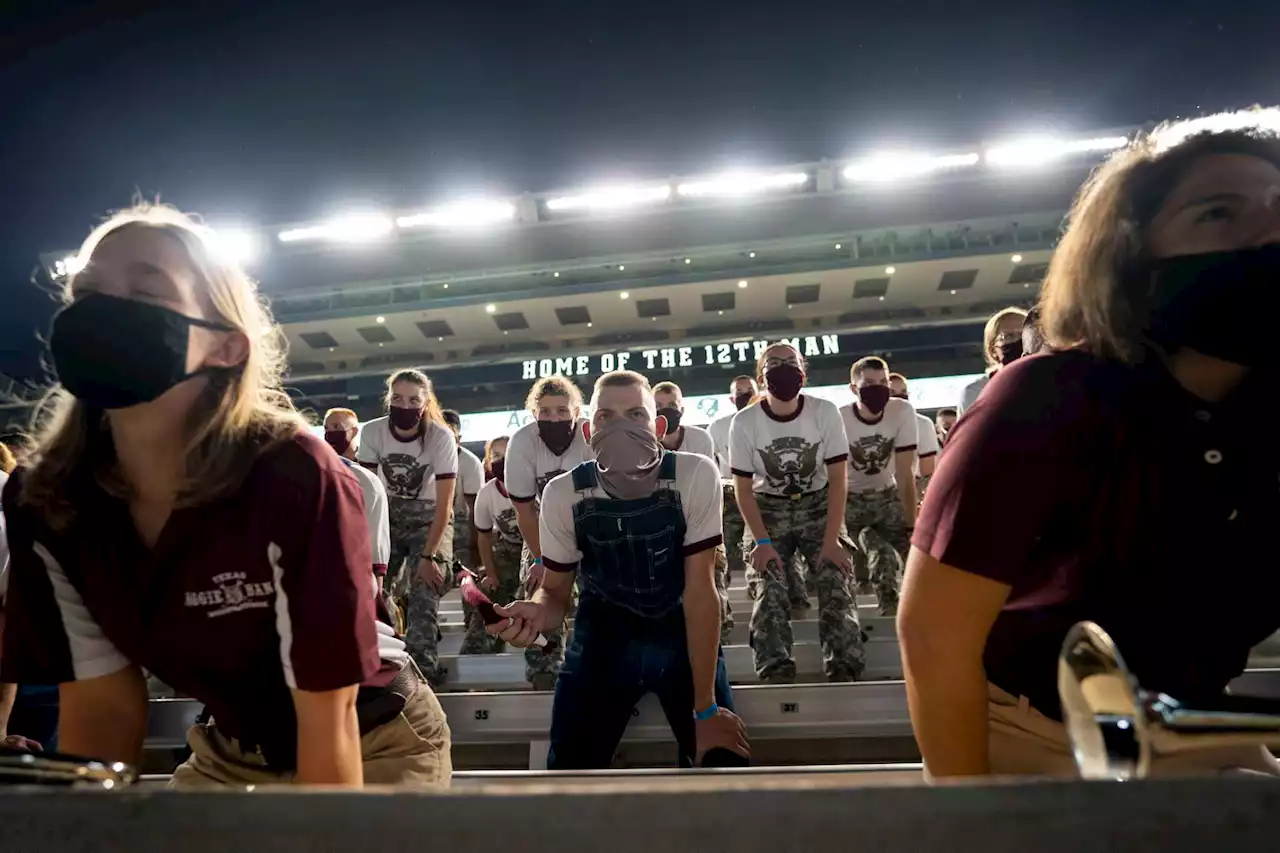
<point>521,499</point>
<point>483,529</point>
<point>372,466</point>
<point>452,476</point>
<point>927,455</point>
<point>834,459</point>
<point>380,570</point>
<point>905,448</point>
<point>704,545</point>
<point>740,473</point>
<point>552,565</point>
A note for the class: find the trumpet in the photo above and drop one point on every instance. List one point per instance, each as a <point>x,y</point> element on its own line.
<point>1116,726</point>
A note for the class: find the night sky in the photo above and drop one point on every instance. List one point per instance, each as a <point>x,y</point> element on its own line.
<point>264,112</point>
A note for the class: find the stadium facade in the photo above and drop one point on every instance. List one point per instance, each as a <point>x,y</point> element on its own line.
<point>681,278</point>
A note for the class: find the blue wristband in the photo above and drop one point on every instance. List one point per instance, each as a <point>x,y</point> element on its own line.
<point>537,561</point>
<point>707,713</point>
<point>764,541</point>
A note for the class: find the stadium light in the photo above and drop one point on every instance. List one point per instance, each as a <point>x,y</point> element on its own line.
<point>235,245</point>
<point>893,166</point>
<point>1038,151</point>
<point>741,183</point>
<point>474,213</point>
<point>70,265</point>
<point>358,228</point>
<point>611,198</point>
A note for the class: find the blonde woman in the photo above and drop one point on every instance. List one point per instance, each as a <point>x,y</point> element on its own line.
<point>414,453</point>
<point>1141,420</point>
<point>178,516</point>
<point>500,547</point>
<point>1001,345</point>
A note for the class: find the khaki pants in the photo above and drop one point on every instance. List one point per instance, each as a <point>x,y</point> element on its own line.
<point>1024,742</point>
<point>411,751</point>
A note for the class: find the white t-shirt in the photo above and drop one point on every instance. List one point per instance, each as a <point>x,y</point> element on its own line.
<point>531,465</point>
<point>409,469</point>
<point>697,440</point>
<point>786,456</point>
<point>719,431</point>
<point>470,480</point>
<point>697,481</point>
<point>496,514</point>
<point>375,513</point>
<point>927,441</point>
<point>872,446</point>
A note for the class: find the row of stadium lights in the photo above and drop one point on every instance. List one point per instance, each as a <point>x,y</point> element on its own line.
<point>244,246</point>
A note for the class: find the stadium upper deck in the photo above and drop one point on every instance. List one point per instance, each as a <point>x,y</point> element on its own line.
<point>893,253</point>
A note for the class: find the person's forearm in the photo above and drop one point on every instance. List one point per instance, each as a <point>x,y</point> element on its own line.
<point>555,598</point>
<point>702,632</point>
<point>527,521</point>
<point>485,546</point>
<point>745,497</point>
<point>837,498</point>
<point>8,695</point>
<point>907,494</point>
<point>947,698</point>
<point>435,533</point>
<point>330,755</point>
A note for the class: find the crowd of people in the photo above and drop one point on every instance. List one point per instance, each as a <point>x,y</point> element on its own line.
<point>175,517</point>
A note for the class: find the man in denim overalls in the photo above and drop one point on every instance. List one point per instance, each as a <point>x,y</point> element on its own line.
<point>641,524</point>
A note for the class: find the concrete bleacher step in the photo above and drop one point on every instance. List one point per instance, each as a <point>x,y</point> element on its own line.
<point>803,631</point>
<point>506,671</point>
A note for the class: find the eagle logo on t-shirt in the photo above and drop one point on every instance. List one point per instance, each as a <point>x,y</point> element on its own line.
<point>404,475</point>
<point>790,463</point>
<point>508,527</point>
<point>870,454</point>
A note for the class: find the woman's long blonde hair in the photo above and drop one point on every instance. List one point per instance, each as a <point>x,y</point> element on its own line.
<point>243,411</point>
<point>1093,297</point>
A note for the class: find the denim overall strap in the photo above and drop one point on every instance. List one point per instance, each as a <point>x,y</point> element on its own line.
<point>632,550</point>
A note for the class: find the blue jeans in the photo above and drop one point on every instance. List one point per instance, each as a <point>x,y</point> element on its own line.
<point>615,659</point>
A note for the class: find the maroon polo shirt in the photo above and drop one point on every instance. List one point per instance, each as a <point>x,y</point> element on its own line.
<point>240,600</point>
<point>1105,492</point>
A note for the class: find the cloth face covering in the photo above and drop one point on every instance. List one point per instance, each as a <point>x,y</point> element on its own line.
<point>628,456</point>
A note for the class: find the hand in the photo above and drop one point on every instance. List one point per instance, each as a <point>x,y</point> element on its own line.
<point>20,743</point>
<point>838,557</point>
<point>489,582</point>
<point>537,573</point>
<point>725,730</point>
<point>762,556</point>
<point>432,573</point>
<point>525,621</point>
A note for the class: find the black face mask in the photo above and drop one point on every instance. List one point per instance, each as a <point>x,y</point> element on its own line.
<point>556,435</point>
<point>741,401</point>
<point>498,469</point>
<point>673,418</point>
<point>113,353</point>
<point>902,396</point>
<point>874,397</point>
<point>1010,352</point>
<point>1216,303</point>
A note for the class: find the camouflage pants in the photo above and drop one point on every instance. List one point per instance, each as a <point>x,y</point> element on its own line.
<point>544,662</point>
<point>506,556</point>
<point>876,524</point>
<point>722,590</point>
<point>735,531</point>
<point>418,600</point>
<point>797,528</point>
